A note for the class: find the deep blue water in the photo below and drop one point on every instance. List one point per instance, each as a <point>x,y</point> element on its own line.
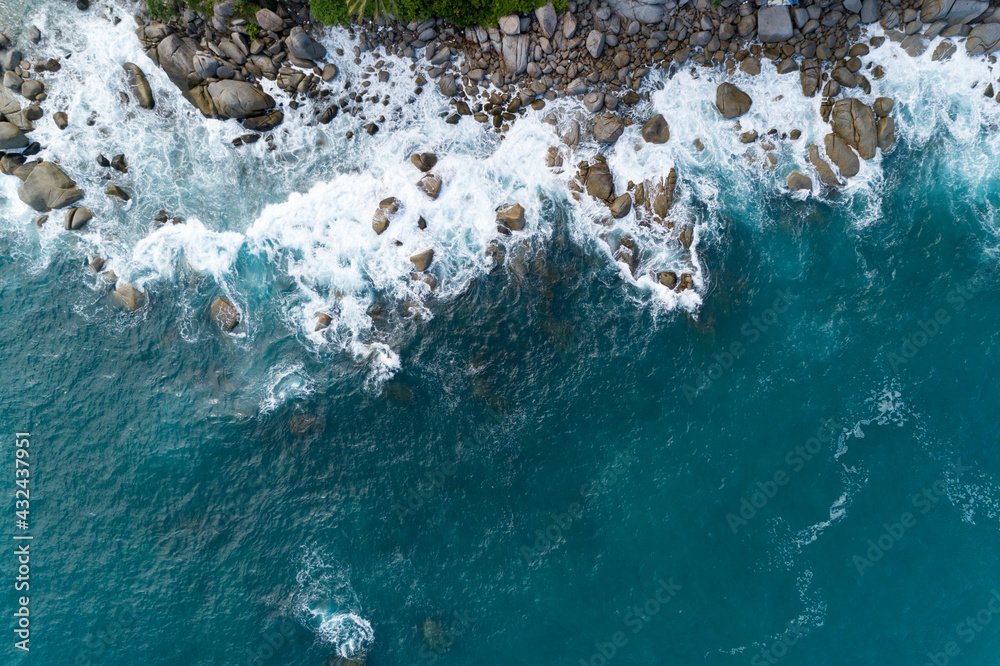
<point>543,473</point>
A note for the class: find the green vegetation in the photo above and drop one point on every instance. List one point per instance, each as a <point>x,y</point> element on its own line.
<point>461,13</point>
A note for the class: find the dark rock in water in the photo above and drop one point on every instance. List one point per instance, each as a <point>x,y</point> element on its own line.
<point>329,113</point>
<point>424,161</point>
<point>454,118</point>
<point>304,424</point>
<point>607,128</point>
<point>886,133</point>
<point>621,206</point>
<point>798,181</point>
<point>841,155</point>
<point>129,297</point>
<point>83,5</point>
<point>826,174</point>
<point>265,122</point>
<point>422,261</point>
<point>883,106</point>
<point>371,128</point>
<point>511,216</point>
<point>387,208</point>
<point>40,220</point>
<point>397,393</point>
<point>118,163</point>
<point>600,183</point>
<point>103,161</point>
<point>421,223</point>
<point>250,138</point>
<point>225,314</point>
<point>139,86</point>
<point>731,101</point>
<point>430,185</point>
<point>687,282</point>
<point>96,264</point>
<point>668,279</point>
<point>47,187</point>
<point>117,192</point>
<point>656,130</point>
<point>323,320</point>
<point>76,218</point>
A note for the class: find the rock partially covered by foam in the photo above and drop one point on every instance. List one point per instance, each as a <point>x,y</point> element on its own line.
<point>239,99</point>
<point>225,314</point>
<point>47,187</point>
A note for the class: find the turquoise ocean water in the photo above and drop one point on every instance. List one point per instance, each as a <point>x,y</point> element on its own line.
<point>552,462</point>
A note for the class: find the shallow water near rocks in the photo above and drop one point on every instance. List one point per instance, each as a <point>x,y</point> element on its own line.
<point>555,461</point>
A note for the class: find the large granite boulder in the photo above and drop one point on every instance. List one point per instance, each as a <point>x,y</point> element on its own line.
<point>176,56</point>
<point>138,84</point>
<point>656,130</point>
<point>547,19</point>
<point>302,46</point>
<point>12,138</point>
<point>515,53</point>
<point>984,38</point>
<point>643,11</point>
<point>841,155</point>
<point>774,24</point>
<point>239,99</point>
<point>268,20</point>
<point>607,128</point>
<point>952,11</point>
<point>47,187</point>
<point>826,173</point>
<point>731,101</point>
<point>600,183</point>
<point>854,122</point>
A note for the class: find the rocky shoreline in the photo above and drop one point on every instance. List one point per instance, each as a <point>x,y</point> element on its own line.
<point>600,52</point>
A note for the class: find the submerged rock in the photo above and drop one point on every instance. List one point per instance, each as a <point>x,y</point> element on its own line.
<point>511,216</point>
<point>225,314</point>
<point>430,185</point>
<point>129,297</point>
<point>139,86</point>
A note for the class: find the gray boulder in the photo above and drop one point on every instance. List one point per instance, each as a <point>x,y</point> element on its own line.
<point>871,10</point>
<point>952,11</point>
<point>12,138</point>
<point>515,53</point>
<point>205,66</point>
<point>268,20</point>
<point>643,11</point>
<point>447,85</point>
<point>510,24</point>
<point>302,46</point>
<point>595,43</point>
<point>547,19</point>
<point>176,56</point>
<point>239,99</point>
<point>774,24</point>
<point>138,84</point>
<point>984,38</point>
<point>47,187</point>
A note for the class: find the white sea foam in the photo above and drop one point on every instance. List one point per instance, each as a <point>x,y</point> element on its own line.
<point>306,207</point>
<point>326,602</point>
